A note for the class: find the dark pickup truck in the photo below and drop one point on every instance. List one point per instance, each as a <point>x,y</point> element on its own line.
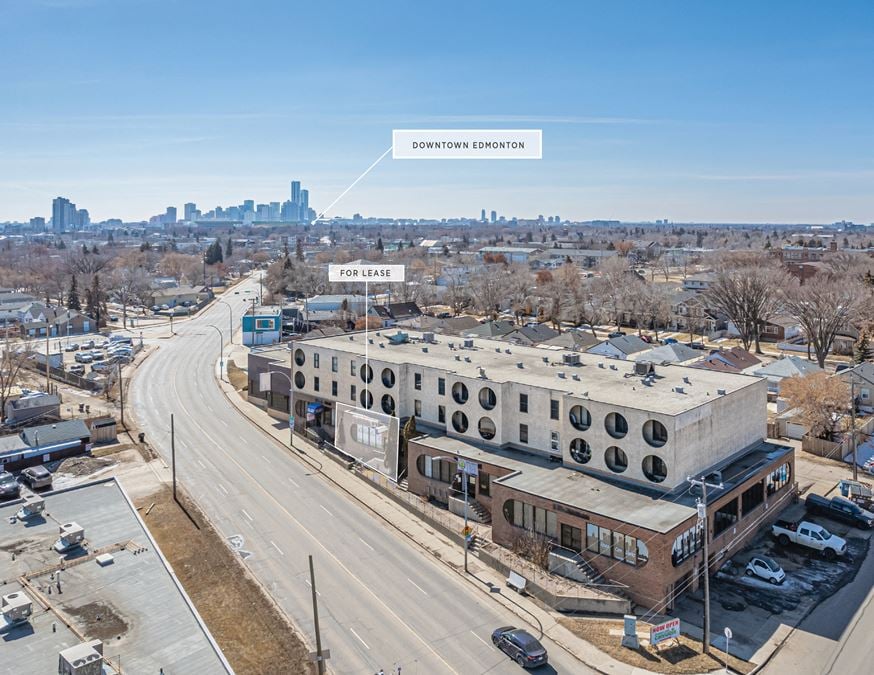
<point>840,508</point>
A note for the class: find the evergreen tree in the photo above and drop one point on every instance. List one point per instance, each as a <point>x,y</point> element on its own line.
<point>445,250</point>
<point>96,302</point>
<point>379,246</point>
<point>214,253</point>
<point>287,264</point>
<point>110,239</point>
<point>94,249</point>
<point>73,296</point>
<point>862,349</point>
<point>85,250</point>
<point>229,248</point>
<point>61,245</point>
<point>298,249</point>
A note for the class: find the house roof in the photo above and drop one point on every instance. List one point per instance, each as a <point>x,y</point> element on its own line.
<point>404,310</point>
<point>672,353</point>
<point>572,339</point>
<point>491,329</point>
<point>732,360</point>
<point>783,320</point>
<point>59,432</point>
<point>629,344</point>
<point>788,366</point>
<point>533,334</point>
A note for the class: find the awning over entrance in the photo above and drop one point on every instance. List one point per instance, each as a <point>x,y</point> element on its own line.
<point>313,408</point>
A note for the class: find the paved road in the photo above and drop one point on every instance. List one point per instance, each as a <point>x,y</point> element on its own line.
<point>382,600</point>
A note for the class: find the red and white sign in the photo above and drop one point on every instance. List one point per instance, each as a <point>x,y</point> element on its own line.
<point>669,630</point>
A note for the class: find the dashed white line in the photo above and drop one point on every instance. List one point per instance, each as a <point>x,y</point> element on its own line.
<point>223,488</point>
<point>417,586</point>
<point>359,638</point>
<point>479,638</point>
<point>293,482</point>
<point>326,510</point>
<point>245,513</point>
<point>202,465</point>
<point>276,547</point>
<point>264,457</point>
<point>307,582</point>
<point>366,544</point>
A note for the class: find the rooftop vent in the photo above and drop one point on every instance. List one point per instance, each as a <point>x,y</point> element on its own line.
<point>351,338</point>
<point>520,364</point>
<point>425,349</point>
<point>482,373</point>
<point>467,359</point>
<point>613,366</point>
<point>457,357</point>
<point>546,359</point>
<point>560,375</point>
<point>720,392</point>
<point>451,345</point>
<point>497,350</point>
<point>507,351</point>
<point>679,390</point>
<point>600,365</point>
<point>468,344</point>
<point>576,376</point>
<point>686,380</point>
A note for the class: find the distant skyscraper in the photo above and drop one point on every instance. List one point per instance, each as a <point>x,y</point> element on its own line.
<point>83,218</point>
<point>170,216</point>
<point>274,211</point>
<point>249,206</point>
<point>304,204</point>
<point>189,210</point>
<point>483,216</point>
<point>494,216</point>
<point>295,191</point>
<point>263,212</point>
<point>63,214</point>
<point>38,223</point>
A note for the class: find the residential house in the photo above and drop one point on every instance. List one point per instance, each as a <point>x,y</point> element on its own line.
<point>788,366</point>
<point>620,347</point>
<point>530,335</point>
<point>734,360</point>
<point>491,329</point>
<point>574,340</point>
<point>861,377</point>
<point>392,313</point>
<point>44,443</point>
<point>179,296</point>
<point>776,329</point>
<point>26,406</point>
<point>511,254</point>
<point>583,257</point>
<point>699,282</point>
<point>689,313</point>
<point>676,353</point>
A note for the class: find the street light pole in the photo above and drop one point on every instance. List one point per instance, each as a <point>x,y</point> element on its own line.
<point>290,405</point>
<point>221,351</point>
<point>230,320</point>
<point>853,432</point>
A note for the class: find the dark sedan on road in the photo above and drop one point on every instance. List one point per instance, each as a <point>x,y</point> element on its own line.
<point>520,645</point>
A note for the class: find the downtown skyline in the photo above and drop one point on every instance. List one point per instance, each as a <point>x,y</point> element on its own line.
<point>711,113</point>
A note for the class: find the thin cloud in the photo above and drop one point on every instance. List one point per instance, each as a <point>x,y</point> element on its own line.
<point>770,177</point>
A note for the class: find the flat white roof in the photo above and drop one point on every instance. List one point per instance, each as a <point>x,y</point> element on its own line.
<point>675,389</point>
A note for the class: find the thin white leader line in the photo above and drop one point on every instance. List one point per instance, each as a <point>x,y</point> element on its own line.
<point>355,182</point>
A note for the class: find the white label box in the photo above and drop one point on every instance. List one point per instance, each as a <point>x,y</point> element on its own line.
<point>377,273</point>
<point>467,144</point>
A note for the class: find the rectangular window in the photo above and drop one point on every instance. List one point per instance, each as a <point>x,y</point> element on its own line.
<point>334,388</point>
<point>619,546</point>
<point>335,364</point>
<point>553,410</point>
<point>441,386</point>
<point>518,515</point>
<point>523,403</point>
<point>352,392</point>
<point>441,414</point>
<point>528,516</point>
<point>315,384</point>
<point>315,359</point>
<point>352,368</point>
<point>551,525</point>
<point>554,443</point>
<point>606,537</point>
<point>263,324</point>
<point>417,408</point>
<point>540,521</point>
<point>752,497</point>
<point>571,537</point>
<point>484,483</point>
<point>523,433</point>
<point>630,550</point>
<point>417,381</point>
<point>591,538</point>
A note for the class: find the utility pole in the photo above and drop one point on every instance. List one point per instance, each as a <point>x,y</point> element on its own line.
<point>853,432</point>
<point>320,662</point>
<point>121,395</point>
<point>173,453</point>
<point>702,518</point>
<point>48,349</point>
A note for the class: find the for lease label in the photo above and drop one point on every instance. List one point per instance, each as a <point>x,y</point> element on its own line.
<point>376,273</point>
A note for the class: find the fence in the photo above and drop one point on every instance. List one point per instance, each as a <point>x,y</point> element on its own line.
<point>838,449</point>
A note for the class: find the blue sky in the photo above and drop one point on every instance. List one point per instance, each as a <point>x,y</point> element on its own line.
<point>715,111</point>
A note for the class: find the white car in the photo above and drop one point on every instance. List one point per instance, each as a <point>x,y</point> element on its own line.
<point>765,568</point>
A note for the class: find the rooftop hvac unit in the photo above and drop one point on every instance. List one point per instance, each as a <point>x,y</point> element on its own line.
<point>686,380</point>
<point>428,337</point>
<point>600,365</point>
<point>16,607</point>
<point>560,375</point>
<point>497,350</point>
<point>451,345</point>
<point>33,506</point>
<point>425,349</point>
<point>520,364</point>
<point>572,359</point>
<point>72,535</point>
<point>467,359</point>
<point>506,351</point>
<point>576,376</point>
<point>482,373</point>
<point>643,368</point>
<point>83,659</point>
<point>679,390</point>
<point>468,344</point>
<point>720,392</point>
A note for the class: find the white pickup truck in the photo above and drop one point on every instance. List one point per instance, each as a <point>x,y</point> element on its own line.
<point>810,535</point>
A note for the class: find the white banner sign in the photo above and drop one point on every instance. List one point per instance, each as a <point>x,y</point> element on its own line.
<point>377,273</point>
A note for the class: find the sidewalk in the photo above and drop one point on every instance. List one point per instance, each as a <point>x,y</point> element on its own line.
<point>484,579</point>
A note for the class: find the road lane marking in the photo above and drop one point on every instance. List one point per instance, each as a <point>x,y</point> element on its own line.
<point>276,547</point>
<point>223,488</point>
<point>366,544</point>
<point>307,582</point>
<point>359,638</point>
<point>264,457</point>
<point>246,514</point>
<point>479,638</point>
<point>326,510</point>
<point>293,482</point>
<point>417,586</point>
<point>202,465</point>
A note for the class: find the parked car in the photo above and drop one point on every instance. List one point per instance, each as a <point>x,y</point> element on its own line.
<point>76,369</point>
<point>120,339</point>
<point>9,487</point>
<point>102,367</point>
<point>646,338</point>
<point>36,477</point>
<point>616,334</point>
<point>156,308</point>
<point>669,341</point>
<point>809,535</point>
<point>695,345</point>
<point>88,345</point>
<point>520,645</point>
<point>113,318</point>
<point>765,568</point>
<point>84,357</point>
<point>165,307</point>
<point>839,508</point>
<point>72,347</point>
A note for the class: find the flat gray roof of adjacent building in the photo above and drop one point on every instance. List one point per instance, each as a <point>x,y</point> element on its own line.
<point>674,390</point>
<point>135,604</point>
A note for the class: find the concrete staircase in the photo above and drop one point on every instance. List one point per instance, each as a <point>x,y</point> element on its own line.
<point>482,513</point>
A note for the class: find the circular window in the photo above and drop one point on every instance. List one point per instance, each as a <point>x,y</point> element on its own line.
<point>655,433</point>
<point>580,418</point>
<point>655,468</point>
<point>615,459</point>
<point>487,398</point>
<point>459,421</point>
<point>616,425</point>
<point>299,380</point>
<point>299,357</point>
<point>388,377</point>
<point>366,373</point>
<point>487,428</point>
<point>366,399</point>
<point>388,405</point>
<point>459,392</point>
<point>580,451</point>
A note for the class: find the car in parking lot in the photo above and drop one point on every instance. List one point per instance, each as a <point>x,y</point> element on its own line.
<point>9,488</point>
<point>669,341</point>
<point>76,369</point>
<point>72,347</point>
<point>102,367</point>
<point>765,568</point>
<point>36,477</point>
<point>810,535</point>
<point>616,334</point>
<point>84,357</point>
<point>520,645</point>
<point>156,308</point>
<point>695,345</point>
<point>113,318</point>
<point>840,509</point>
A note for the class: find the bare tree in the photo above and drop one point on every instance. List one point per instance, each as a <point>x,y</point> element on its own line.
<point>10,366</point>
<point>611,286</point>
<point>456,296</point>
<point>487,289</point>
<point>129,286</point>
<point>823,306</point>
<point>823,401</point>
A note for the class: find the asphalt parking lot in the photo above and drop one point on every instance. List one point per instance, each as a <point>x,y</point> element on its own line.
<point>753,608</point>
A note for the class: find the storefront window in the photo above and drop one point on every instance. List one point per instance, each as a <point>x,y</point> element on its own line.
<point>618,546</point>
<point>779,478</point>
<point>606,541</point>
<point>530,517</point>
<point>592,538</point>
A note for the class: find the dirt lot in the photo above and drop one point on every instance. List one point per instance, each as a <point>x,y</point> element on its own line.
<point>685,658</point>
<point>257,641</point>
